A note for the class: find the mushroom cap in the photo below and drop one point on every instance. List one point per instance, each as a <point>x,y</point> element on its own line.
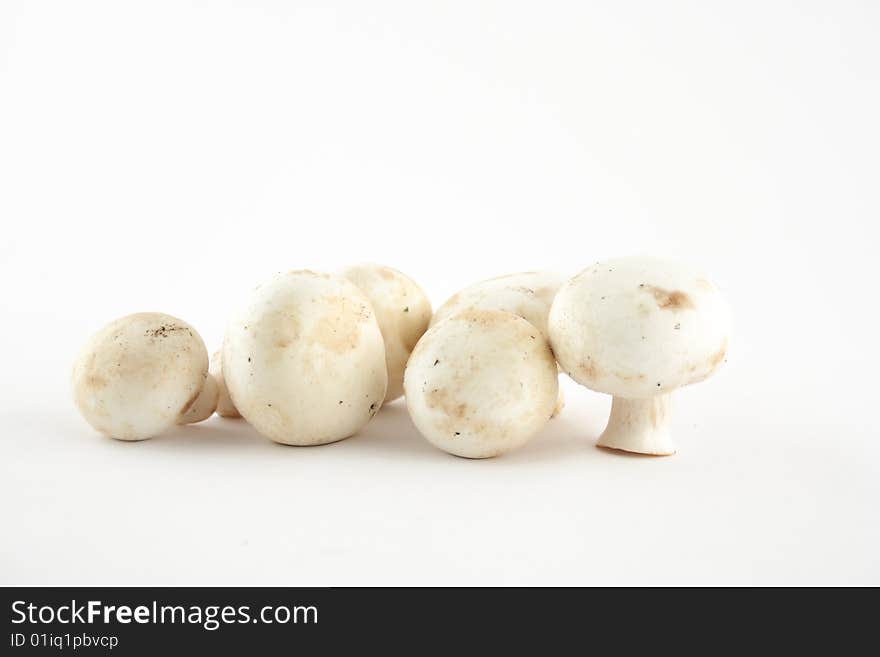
<point>527,294</point>
<point>304,362</point>
<point>204,405</point>
<point>637,327</point>
<point>225,407</point>
<point>402,310</point>
<point>481,383</point>
<point>135,377</point>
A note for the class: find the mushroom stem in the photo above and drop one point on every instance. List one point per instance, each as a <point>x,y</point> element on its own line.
<point>639,425</point>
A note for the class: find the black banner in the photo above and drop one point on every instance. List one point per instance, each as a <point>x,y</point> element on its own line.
<point>147,621</point>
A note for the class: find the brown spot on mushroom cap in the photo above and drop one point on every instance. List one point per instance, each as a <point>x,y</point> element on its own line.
<point>440,399</point>
<point>668,299</point>
<point>95,381</point>
<point>338,330</point>
<point>482,317</point>
<point>454,413</point>
<point>716,358</point>
<point>285,325</point>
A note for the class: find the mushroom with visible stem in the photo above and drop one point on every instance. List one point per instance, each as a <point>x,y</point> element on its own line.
<point>304,361</point>
<point>481,383</point>
<point>527,294</point>
<point>139,374</point>
<point>402,310</point>
<point>637,328</point>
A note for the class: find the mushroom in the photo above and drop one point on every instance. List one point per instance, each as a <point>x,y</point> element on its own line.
<point>637,328</point>
<point>225,407</point>
<point>527,294</point>
<point>139,374</point>
<point>402,310</point>
<point>481,383</point>
<point>304,362</point>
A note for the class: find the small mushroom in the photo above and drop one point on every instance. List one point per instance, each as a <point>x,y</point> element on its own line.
<point>402,310</point>
<point>481,383</point>
<point>637,328</point>
<point>304,361</point>
<point>527,294</point>
<point>225,407</point>
<point>139,374</point>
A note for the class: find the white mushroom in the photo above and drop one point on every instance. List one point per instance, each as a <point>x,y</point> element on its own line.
<point>637,328</point>
<point>304,362</point>
<point>204,405</point>
<point>225,407</point>
<point>481,383</point>
<point>136,376</point>
<point>527,294</point>
<point>403,311</point>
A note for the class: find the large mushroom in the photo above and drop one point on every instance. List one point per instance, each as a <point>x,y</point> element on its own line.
<point>402,310</point>
<point>304,362</point>
<point>638,328</point>
<point>481,383</point>
<point>527,294</point>
<point>139,375</point>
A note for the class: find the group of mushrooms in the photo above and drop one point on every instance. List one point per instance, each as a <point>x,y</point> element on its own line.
<point>312,357</point>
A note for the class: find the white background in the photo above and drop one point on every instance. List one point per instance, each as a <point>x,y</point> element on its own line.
<point>170,155</point>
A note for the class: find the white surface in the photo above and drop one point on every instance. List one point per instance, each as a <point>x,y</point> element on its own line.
<point>169,156</point>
